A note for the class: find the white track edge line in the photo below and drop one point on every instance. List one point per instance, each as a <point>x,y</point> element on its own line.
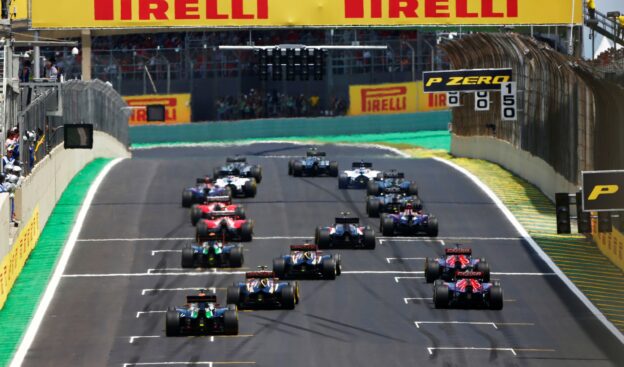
<point>514,221</point>
<point>45,301</point>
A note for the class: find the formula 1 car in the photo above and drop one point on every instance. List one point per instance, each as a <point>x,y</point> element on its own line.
<point>204,189</point>
<point>392,179</point>
<point>238,166</point>
<point>306,261</point>
<point>409,222</point>
<point>358,177</point>
<point>456,259</point>
<point>313,164</point>
<point>392,200</point>
<point>469,290</point>
<point>226,228</point>
<point>345,233</point>
<point>261,289</point>
<point>201,316</point>
<point>214,207</point>
<point>212,254</point>
<point>239,186</point>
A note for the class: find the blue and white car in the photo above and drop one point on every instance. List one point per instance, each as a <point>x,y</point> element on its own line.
<point>238,166</point>
<point>392,201</point>
<point>468,290</point>
<point>201,316</point>
<point>345,233</point>
<point>203,189</point>
<point>392,180</point>
<point>239,186</point>
<point>262,289</point>
<point>306,261</point>
<point>212,254</point>
<point>359,176</point>
<point>314,163</point>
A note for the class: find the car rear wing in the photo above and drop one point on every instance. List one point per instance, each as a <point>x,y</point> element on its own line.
<point>203,180</point>
<point>222,214</point>
<point>211,298</point>
<point>316,154</point>
<point>218,199</point>
<point>458,251</point>
<point>393,174</point>
<point>347,220</point>
<point>361,165</point>
<point>306,247</point>
<point>392,190</point>
<point>259,274</point>
<point>469,275</point>
<point>236,160</point>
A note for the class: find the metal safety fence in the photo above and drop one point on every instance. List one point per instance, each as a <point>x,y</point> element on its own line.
<point>569,113</point>
<point>72,102</point>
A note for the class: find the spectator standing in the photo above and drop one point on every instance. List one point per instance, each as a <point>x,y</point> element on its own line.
<point>8,160</point>
<point>51,72</point>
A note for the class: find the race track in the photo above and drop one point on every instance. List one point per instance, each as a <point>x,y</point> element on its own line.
<point>108,308</point>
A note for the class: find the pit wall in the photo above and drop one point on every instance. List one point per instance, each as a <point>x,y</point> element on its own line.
<point>522,163</point>
<point>271,128</point>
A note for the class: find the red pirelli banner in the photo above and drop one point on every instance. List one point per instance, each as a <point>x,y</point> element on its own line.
<point>65,14</point>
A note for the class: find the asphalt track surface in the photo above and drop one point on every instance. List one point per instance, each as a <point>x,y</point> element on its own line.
<point>381,315</point>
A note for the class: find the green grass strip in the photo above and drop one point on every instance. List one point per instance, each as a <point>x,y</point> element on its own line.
<point>434,140</point>
<point>33,280</point>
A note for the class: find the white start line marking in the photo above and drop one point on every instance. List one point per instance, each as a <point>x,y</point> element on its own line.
<point>138,315</point>
<point>152,239</point>
<point>383,241</point>
<point>154,252</point>
<point>513,351</point>
<point>154,290</point>
<point>196,363</point>
<point>137,337</point>
<point>408,299</point>
<point>397,259</point>
<point>154,272</point>
<point>495,325</point>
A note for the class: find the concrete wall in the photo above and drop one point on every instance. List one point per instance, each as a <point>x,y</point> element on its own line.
<point>522,163</point>
<point>45,185</point>
<point>272,128</point>
<point>5,212</point>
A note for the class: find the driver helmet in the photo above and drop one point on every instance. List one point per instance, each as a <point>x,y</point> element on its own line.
<point>264,282</point>
<point>308,255</point>
<point>409,209</point>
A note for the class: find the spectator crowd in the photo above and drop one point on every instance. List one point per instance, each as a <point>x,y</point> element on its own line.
<point>257,104</point>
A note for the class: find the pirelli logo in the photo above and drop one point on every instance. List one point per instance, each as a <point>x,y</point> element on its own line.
<point>465,80</point>
<point>391,99</point>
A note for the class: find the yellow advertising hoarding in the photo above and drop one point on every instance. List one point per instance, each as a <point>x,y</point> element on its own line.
<point>12,264</point>
<point>177,107</point>
<point>393,98</point>
<point>19,9</point>
<point>306,13</point>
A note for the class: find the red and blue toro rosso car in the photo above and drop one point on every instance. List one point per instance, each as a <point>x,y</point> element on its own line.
<point>261,289</point>
<point>204,189</point>
<point>212,254</point>
<point>468,290</point>
<point>306,261</point>
<point>225,226</point>
<point>409,223</point>
<point>214,207</point>
<point>455,259</point>
<point>345,233</point>
<point>201,316</point>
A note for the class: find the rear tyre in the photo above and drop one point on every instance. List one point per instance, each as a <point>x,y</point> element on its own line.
<point>369,239</point>
<point>230,322</point>
<point>246,232</point>
<point>172,322</point>
<point>441,296</point>
<point>188,257</point>
<point>412,189</point>
<point>496,297</point>
<point>372,188</point>
<point>333,169</point>
<point>196,214</point>
<point>372,207</point>
<point>432,270</point>
<point>432,227</point>
<point>323,238</point>
<point>338,260</point>
<point>233,296</point>
<point>187,198</point>
<point>328,269</point>
<point>202,231</point>
<point>256,172</point>
<point>343,181</point>
<point>387,226</point>
<point>250,188</point>
<point>236,257</point>
<point>297,169</point>
<point>484,267</point>
<point>240,212</point>
<point>279,267</point>
<point>290,167</point>
<point>287,297</point>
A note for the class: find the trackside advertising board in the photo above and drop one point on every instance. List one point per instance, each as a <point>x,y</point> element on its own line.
<point>381,99</point>
<point>603,191</point>
<point>471,80</point>
<point>64,14</point>
<point>177,108</point>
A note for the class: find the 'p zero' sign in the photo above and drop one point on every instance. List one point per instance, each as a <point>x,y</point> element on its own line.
<point>465,80</point>
<point>603,191</point>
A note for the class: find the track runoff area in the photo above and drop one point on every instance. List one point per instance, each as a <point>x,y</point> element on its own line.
<point>124,272</point>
